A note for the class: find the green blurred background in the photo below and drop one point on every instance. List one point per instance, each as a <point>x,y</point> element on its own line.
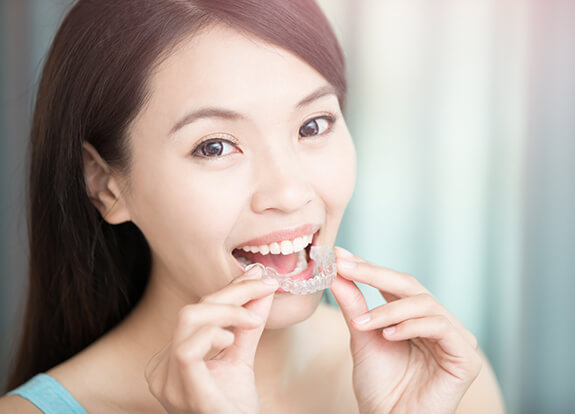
<point>463,113</point>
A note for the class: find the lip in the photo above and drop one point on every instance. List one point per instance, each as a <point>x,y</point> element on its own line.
<point>286,234</point>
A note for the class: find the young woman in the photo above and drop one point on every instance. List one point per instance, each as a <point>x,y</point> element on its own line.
<point>172,143</point>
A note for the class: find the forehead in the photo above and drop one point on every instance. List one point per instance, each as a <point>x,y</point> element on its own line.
<point>222,66</point>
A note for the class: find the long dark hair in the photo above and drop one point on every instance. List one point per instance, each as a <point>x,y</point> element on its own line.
<point>85,274</point>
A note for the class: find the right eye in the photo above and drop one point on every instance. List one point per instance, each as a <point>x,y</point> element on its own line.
<point>214,148</point>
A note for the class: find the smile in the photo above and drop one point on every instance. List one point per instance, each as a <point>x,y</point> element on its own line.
<point>286,255</point>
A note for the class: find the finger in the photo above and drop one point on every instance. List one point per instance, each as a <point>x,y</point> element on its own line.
<point>349,298</point>
<point>398,311</point>
<point>191,317</point>
<point>188,358</point>
<point>436,327</point>
<point>412,307</point>
<point>241,291</point>
<point>246,343</point>
<point>388,281</point>
<point>250,272</point>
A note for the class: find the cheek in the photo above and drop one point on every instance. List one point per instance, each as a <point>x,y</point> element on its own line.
<point>334,175</point>
<point>180,208</point>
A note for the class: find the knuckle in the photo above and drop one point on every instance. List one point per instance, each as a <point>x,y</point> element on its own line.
<point>182,354</point>
<point>186,315</point>
<point>409,277</point>
<point>473,340</point>
<point>211,331</point>
<point>428,301</point>
<point>186,353</point>
<point>443,323</point>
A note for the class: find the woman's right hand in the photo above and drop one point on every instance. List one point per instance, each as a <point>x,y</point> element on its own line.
<point>208,366</point>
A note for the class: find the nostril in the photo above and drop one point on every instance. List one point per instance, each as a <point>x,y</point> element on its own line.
<point>286,197</point>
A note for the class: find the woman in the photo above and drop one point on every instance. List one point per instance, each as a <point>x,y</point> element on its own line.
<point>174,142</point>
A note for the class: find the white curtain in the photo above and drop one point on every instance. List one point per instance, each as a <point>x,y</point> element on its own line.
<point>463,114</point>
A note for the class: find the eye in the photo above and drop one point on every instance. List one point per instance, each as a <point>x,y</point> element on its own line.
<point>214,148</point>
<point>316,126</point>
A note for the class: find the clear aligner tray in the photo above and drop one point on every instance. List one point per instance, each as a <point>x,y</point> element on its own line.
<point>324,273</point>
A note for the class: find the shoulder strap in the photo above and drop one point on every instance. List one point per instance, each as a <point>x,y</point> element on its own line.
<point>48,395</point>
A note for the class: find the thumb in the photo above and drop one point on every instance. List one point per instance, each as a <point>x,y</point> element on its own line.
<point>352,304</point>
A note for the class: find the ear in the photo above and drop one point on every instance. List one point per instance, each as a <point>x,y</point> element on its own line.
<point>103,187</point>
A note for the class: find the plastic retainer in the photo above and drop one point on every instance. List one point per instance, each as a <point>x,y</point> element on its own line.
<point>324,273</point>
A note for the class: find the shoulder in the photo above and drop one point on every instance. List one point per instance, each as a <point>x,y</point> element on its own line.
<point>17,405</point>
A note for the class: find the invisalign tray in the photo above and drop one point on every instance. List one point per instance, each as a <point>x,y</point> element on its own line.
<point>324,273</point>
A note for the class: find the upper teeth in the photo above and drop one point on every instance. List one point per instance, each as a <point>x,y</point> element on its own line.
<point>283,247</point>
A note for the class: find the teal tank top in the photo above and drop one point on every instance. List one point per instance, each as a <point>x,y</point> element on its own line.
<point>48,395</point>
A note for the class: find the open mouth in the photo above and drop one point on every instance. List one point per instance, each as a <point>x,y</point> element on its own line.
<point>289,258</point>
<point>300,266</point>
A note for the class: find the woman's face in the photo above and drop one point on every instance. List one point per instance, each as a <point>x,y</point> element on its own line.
<point>239,139</point>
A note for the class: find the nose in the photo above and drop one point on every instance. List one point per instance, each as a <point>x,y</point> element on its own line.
<point>282,184</point>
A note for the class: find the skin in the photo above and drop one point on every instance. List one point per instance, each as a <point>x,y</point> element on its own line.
<point>207,337</point>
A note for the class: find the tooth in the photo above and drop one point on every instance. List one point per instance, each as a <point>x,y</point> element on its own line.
<point>264,249</point>
<point>275,248</point>
<point>254,249</point>
<point>244,261</point>
<point>298,244</point>
<point>246,248</point>
<point>286,247</point>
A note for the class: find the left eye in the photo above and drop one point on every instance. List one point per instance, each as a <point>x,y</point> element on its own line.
<point>316,126</point>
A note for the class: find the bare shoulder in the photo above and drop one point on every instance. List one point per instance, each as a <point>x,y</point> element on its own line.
<point>484,395</point>
<point>86,376</point>
<point>17,405</point>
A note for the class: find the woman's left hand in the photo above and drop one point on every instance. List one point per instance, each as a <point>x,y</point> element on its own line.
<point>410,355</point>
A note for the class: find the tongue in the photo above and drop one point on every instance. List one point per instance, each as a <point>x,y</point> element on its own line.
<point>283,264</point>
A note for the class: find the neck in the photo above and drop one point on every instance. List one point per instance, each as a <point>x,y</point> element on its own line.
<point>151,325</point>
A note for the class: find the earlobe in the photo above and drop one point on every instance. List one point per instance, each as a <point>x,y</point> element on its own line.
<point>102,187</point>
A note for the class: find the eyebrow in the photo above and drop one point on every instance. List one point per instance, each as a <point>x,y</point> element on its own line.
<point>228,114</point>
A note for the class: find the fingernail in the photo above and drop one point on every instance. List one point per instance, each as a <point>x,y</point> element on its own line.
<point>253,269</point>
<point>270,281</point>
<point>343,253</point>
<point>389,331</point>
<point>362,319</point>
<point>345,264</point>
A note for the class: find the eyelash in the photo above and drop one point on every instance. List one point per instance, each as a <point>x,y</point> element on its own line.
<point>230,140</point>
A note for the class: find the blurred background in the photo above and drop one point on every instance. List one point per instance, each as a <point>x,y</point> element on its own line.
<point>463,113</point>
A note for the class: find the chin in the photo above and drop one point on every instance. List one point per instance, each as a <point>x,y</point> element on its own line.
<point>288,309</point>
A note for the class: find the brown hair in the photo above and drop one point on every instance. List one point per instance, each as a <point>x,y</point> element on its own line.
<point>85,274</point>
